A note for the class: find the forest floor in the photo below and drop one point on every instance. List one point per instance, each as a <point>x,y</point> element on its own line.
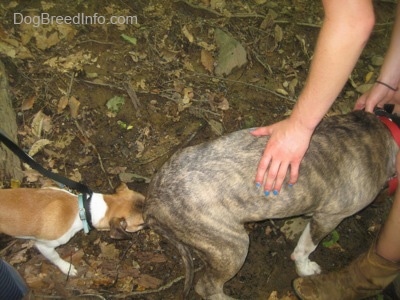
<point>103,103</point>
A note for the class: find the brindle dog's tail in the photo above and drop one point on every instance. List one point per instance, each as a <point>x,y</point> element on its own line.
<point>189,267</point>
<point>184,251</point>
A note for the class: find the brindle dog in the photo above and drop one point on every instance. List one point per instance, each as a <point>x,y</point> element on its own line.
<point>200,199</point>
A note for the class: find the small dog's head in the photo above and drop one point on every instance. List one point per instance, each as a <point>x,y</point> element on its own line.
<point>124,213</point>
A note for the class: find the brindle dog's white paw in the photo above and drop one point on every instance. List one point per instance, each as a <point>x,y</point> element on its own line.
<point>307,268</point>
<point>67,268</point>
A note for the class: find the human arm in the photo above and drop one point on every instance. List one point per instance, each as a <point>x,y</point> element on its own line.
<point>389,74</point>
<point>346,28</point>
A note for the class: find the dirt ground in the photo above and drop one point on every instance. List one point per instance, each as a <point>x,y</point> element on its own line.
<point>105,103</point>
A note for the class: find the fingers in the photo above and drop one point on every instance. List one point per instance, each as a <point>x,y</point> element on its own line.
<point>262,168</point>
<point>376,97</point>
<point>294,172</point>
<point>276,176</point>
<point>370,106</point>
<point>281,151</point>
<point>274,172</point>
<point>360,103</point>
<point>260,131</point>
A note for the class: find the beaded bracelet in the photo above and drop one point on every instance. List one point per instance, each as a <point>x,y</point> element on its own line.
<point>388,86</point>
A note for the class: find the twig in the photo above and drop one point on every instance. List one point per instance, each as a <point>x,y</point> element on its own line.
<point>132,95</point>
<point>246,84</point>
<point>255,15</point>
<point>4,250</point>
<point>201,8</point>
<point>160,289</point>
<point>214,12</point>
<point>71,82</point>
<point>266,67</point>
<point>94,41</point>
<point>111,86</point>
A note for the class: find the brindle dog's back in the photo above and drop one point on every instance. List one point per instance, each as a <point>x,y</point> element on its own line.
<point>204,194</point>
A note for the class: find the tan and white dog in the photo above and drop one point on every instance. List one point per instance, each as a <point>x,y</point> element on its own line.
<point>50,216</point>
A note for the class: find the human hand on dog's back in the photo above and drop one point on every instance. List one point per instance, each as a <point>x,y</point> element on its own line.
<point>288,143</point>
<point>344,33</point>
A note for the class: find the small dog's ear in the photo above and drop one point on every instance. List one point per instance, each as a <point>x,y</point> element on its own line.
<point>117,229</point>
<point>122,187</point>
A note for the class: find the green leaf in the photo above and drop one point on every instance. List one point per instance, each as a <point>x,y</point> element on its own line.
<point>333,240</point>
<point>115,103</point>
<point>123,125</point>
<point>129,39</point>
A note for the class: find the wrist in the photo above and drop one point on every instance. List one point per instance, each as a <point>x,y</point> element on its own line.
<point>304,122</point>
<point>390,87</point>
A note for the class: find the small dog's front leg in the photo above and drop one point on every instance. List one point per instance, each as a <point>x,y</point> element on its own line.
<point>51,254</point>
<point>305,246</point>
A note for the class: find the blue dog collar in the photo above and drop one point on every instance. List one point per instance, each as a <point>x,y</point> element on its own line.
<point>82,213</point>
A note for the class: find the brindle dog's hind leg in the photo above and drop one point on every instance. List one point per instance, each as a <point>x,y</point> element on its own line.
<point>222,261</point>
<point>320,226</point>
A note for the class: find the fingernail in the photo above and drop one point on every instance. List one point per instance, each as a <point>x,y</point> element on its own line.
<point>266,193</point>
<point>290,184</point>
<point>258,185</point>
<point>275,192</point>
<point>252,129</point>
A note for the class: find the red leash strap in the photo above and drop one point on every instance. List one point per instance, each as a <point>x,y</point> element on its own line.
<point>392,185</point>
<point>395,131</point>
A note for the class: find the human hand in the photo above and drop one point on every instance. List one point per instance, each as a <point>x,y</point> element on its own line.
<point>286,148</point>
<point>377,96</point>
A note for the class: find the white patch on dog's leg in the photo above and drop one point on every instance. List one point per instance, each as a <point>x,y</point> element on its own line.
<point>305,246</point>
<point>51,254</point>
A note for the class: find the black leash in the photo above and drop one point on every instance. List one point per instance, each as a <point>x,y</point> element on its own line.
<point>77,186</point>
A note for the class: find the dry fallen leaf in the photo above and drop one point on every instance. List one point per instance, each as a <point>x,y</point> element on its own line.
<point>28,103</point>
<point>13,49</point>
<point>187,95</point>
<point>109,251</point>
<point>116,170</point>
<point>369,76</point>
<point>44,42</point>
<point>38,145</point>
<point>41,122</point>
<point>187,34</point>
<point>31,175</point>
<point>278,34</point>
<point>216,127</point>
<point>73,106</point>
<point>62,104</point>
<point>148,281</point>
<point>207,60</point>
<point>76,175</point>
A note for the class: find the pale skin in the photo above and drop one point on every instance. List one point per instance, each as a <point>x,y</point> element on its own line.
<point>345,31</point>
<point>388,244</point>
